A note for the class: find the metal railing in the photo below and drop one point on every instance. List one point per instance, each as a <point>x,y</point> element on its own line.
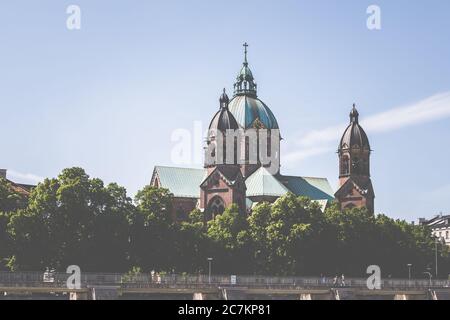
<point>147,280</point>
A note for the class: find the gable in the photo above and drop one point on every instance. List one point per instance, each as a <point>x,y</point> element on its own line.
<point>222,177</point>
<point>352,186</point>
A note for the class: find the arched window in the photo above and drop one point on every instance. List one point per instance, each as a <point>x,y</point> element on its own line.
<point>345,165</point>
<point>216,206</point>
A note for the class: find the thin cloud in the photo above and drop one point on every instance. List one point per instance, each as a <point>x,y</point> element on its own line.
<point>317,142</point>
<point>24,177</point>
<point>305,153</point>
<point>433,108</point>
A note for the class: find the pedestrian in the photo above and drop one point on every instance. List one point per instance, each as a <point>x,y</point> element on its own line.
<point>335,281</point>
<point>342,280</point>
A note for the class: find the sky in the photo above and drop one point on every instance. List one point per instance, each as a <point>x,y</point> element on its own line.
<point>109,96</point>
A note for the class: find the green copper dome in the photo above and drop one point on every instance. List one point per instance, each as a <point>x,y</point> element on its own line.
<point>247,109</point>
<point>251,112</point>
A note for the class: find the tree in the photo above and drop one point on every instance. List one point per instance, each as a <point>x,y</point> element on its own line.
<point>192,245</point>
<point>153,228</point>
<point>72,220</point>
<point>230,240</point>
<point>75,219</point>
<point>259,221</point>
<point>110,242</point>
<point>5,240</point>
<point>287,235</point>
<point>355,240</point>
<point>10,200</point>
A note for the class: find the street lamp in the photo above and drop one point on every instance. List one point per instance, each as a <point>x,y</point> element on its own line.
<point>441,240</point>
<point>209,268</point>
<point>409,271</point>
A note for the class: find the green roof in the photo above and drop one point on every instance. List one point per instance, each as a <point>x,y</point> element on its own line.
<point>262,183</point>
<point>185,183</point>
<point>314,188</point>
<point>182,182</point>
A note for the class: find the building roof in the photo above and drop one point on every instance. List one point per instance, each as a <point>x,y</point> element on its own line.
<point>364,186</point>
<point>185,183</point>
<point>262,183</point>
<point>24,189</point>
<point>314,188</point>
<point>247,109</point>
<point>182,182</point>
<point>231,174</point>
<point>223,120</point>
<point>438,221</point>
<point>354,135</point>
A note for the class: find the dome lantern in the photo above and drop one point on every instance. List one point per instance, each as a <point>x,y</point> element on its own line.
<point>247,108</point>
<point>245,83</point>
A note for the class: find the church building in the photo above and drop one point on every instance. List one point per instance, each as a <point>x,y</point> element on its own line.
<point>246,179</point>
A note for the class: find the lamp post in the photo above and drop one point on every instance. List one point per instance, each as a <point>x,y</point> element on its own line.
<point>441,240</point>
<point>409,271</point>
<point>436,255</point>
<point>209,269</point>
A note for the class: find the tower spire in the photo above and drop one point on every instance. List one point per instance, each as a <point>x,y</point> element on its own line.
<point>354,114</point>
<point>245,83</point>
<point>245,53</point>
<point>224,100</point>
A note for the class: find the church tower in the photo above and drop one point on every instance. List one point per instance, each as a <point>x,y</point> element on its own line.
<point>224,183</point>
<point>355,185</point>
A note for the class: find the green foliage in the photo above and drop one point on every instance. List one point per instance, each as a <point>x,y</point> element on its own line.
<point>5,240</point>
<point>191,244</point>
<point>132,276</point>
<point>72,220</point>
<point>287,235</point>
<point>153,230</point>
<point>10,200</point>
<point>229,238</point>
<point>155,206</point>
<point>75,219</point>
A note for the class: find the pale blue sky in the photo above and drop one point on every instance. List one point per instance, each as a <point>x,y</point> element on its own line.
<point>108,97</point>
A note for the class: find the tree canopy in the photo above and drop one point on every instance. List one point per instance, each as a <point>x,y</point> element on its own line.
<point>76,219</point>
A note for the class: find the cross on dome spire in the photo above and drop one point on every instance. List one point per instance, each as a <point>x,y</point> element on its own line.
<point>245,83</point>
<point>245,53</point>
